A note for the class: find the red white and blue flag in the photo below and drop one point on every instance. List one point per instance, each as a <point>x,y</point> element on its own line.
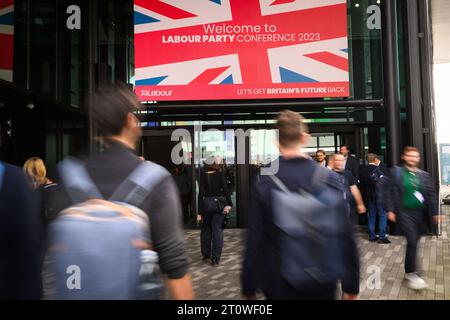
<point>240,49</point>
<point>6,39</point>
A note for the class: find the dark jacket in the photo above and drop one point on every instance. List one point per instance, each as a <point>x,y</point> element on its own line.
<point>213,185</point>
<point>352,165</point>
<point>262,262</point>
<point>20,246</point>
<point>46,193</point>
<point>393,201</point>
<point>108,169</point>
<point>367,187</point>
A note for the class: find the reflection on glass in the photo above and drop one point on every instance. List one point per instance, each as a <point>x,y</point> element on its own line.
<point>263,150</point>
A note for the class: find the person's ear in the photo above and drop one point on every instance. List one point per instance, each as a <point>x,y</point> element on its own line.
<point>132,121</point>
<point>305,138</point>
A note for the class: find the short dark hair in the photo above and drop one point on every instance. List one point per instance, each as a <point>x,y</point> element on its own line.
<point>410,149</point>
<point>344,146</point>
<point>110,106</point>
<point>321,151</point>
<point>290,127</point>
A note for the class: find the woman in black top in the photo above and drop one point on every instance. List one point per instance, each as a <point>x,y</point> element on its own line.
<point>214,204</point>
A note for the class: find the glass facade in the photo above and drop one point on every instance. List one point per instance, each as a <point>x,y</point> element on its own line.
<point>365,49</point>
<point>56,61</point>
<point>65,48</point>
<point>48,55</point>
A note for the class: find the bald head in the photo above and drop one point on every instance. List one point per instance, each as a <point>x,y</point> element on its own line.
<point>337,162</point>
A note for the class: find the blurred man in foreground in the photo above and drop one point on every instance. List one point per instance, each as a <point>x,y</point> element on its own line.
<point>299,241</point>
<point>114,176</point>
<point>20,242</point>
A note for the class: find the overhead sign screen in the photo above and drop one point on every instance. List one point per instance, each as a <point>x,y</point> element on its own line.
<point>240,49</point>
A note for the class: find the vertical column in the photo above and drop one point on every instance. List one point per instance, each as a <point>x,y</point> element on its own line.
<point>415,115</point>
<point>90,37</point>
<point>390,78</point>
<point>429,130</point>
<point>28,35</point>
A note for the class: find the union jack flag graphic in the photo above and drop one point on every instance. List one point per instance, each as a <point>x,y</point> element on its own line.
<point>6,39</point>
<point>240,49</point>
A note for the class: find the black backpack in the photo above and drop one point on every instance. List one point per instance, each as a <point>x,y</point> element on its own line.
<point>310,226</point>
<point>377,181</point>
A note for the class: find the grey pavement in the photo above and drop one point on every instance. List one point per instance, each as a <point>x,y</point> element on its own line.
<point>385,260</point>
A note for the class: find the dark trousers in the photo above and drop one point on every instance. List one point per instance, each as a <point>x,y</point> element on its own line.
<point>186,205</point>
<point>212,232</point>
<point>413,224</point>
<point>376,209</point>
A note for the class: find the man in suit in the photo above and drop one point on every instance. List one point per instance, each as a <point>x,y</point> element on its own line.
<point>351,163</point>
<point>412,202</point>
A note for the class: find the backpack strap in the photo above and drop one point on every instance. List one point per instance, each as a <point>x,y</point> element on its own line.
<point>77,182</point>
<point>279,183</point>
<point>320,178</point>
<point>140,183</point>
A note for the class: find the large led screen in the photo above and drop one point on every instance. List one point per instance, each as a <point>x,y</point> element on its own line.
<point>240,49</point>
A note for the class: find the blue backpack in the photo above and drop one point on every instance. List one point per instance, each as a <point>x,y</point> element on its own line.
<point>106,243</point>
<point>310,227</point>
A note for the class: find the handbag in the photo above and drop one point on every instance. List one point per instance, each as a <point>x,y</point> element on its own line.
<point>222,201</point>
<point>217,202</point>
<point>225,221</point>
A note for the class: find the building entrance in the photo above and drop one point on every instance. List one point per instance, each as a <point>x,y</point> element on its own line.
<point>242,151</point>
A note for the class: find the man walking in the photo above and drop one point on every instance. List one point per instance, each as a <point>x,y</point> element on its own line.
<point>287,243</point>
<point>336,163</point>
<point>113,113</point>
<point>411,202</point>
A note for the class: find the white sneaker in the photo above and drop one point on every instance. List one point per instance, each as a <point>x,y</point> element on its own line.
<point>415,282</point>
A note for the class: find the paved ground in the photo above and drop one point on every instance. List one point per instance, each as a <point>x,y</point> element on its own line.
<point>222,282</point>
